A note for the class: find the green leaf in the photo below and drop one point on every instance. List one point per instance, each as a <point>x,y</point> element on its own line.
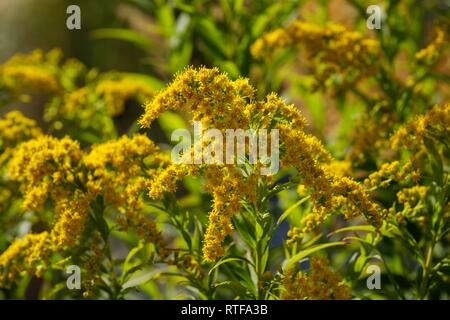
<point>166,20</point>
<point>245,230</point>
<point>435,161</point>
<point>124,35</point>
<point>289,210</point>
<point>143,277</point>
<point>360,263</point>
<point>213,38</point>
<point>299,256</point>
<point>229,67</point>
<point>226,260</point>
<point>127,263</point>
<point>353,228</point>
<point>261,22</point>
<point>57,288</point>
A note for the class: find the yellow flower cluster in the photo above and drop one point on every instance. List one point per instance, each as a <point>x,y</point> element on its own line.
<point>412,195</point>
<point>83,109</point>
<point>72,214</point>
<point>321,283</point>
<point>209,95</point>
<point>339,55</point>
<point>71,107</point>
<point>329,190</point>
<point>412,199</point>
<point>35,72</point>
<point>47,167</point>
<point>435,123</point>
<point>146,229</point>
<point>117,92</point>
<point>166,179</point>
<point>16,128</point>
<point>295,235</point>
<point>432,51</point>
<point>116,169</point>
<point>228,187</point>
<point>391,171</point>
<point>29,254</point>
<point>76,100</point>
<point>93,268</point>
<point>44,165</point>
<point>57,168</point>
<point>370,135</point>
<point>221,103</point>
<point>341,168</point>
<point>217,102</point>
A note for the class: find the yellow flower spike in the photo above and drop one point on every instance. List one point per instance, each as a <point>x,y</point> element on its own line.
<point>335,49</point>
<point>204,92</point>
<point>433,50</point>
<point>36,161</point>
<point>16,128</point>
<point>320,283</point>
<point>435,122</point>
<point>25,254</point>
<point>116,170</point>
<point>110,155</point>
<point>117,92</point>
<point>72,215</point>
<point>33,72</point>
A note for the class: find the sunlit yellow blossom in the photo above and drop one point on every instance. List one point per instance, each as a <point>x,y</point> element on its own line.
<point>16,128</point>
<point>228,187</point>
<point>412,195</point>
<point>27,254</point>
<point>327,187</point>
<point>117,92</point>
<point>78,111</point>
<point>340,56</point>
<point>340,168</point>
<point>433,50</point>
<point>435,123</point>
<point>145,228</point>
<point>166,180</point>
<point>42,164</point>
<point>320,283</point>
<point>205,92</point>
<point>391,171</point>
<point>71,215</point>
<point>116,165</point>
<point>34,72</point>
<point>116,171</point>
<point>413,207</point>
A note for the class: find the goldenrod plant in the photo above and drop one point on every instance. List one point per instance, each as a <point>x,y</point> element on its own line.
<point>233,181</point>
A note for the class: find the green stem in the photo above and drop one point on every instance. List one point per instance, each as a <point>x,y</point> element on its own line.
<point>423,290</point>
